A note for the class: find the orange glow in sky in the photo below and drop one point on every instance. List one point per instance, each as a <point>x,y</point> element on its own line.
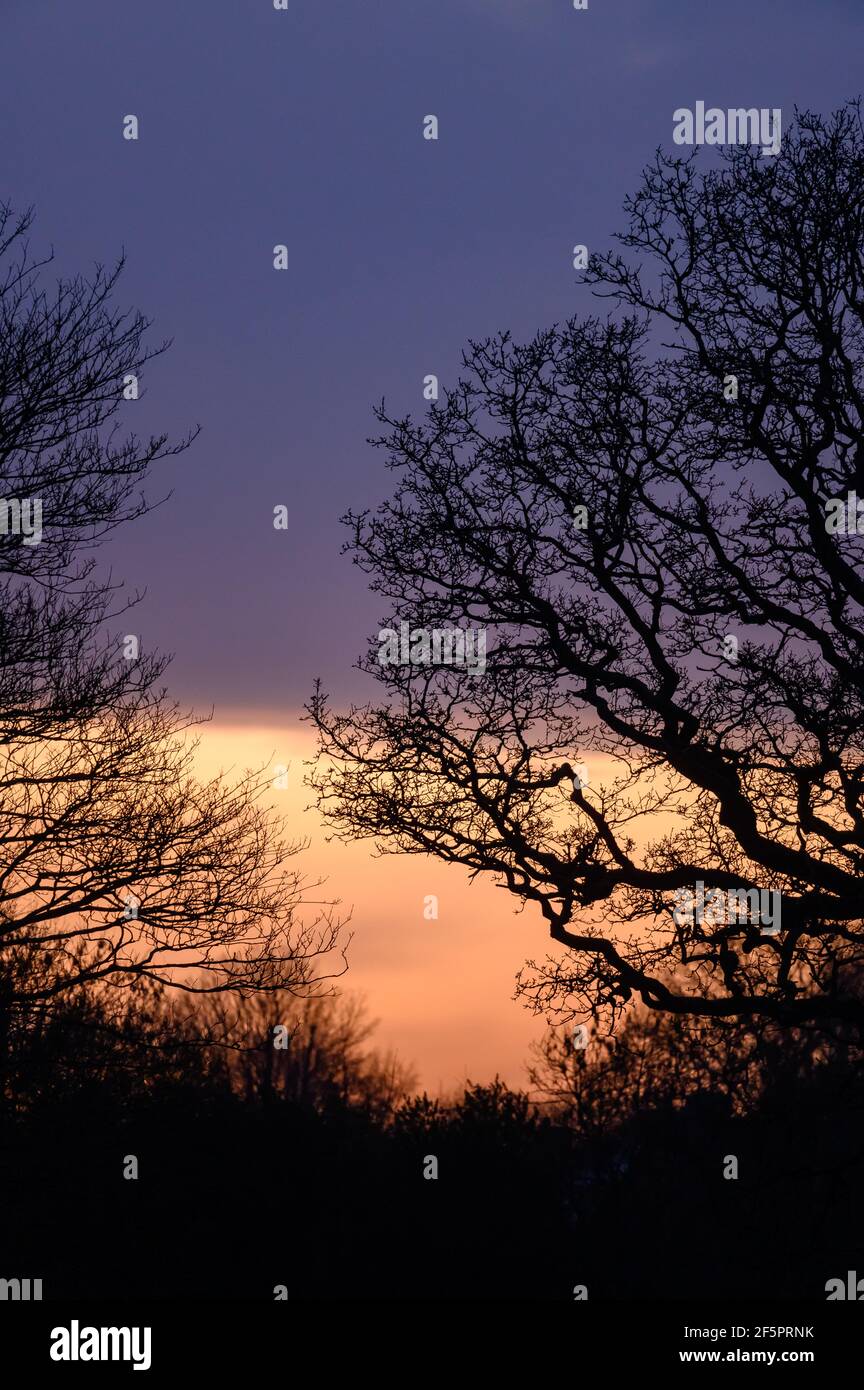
<point>442,990</point>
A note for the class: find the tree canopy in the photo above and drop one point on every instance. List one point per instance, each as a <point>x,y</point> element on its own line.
<point>117,864</point>
<point>636,510</point>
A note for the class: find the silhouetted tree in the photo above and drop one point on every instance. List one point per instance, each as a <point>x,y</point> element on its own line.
<point>655,1060</point>
<point>311,1051</point>
<point>528,1195</point>
<point>647,541</point>
<point>116,864</point>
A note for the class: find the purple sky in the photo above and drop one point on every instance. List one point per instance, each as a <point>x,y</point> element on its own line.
<point>258,127</point>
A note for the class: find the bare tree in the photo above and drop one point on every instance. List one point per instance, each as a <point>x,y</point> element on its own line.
<point>308,1050</point>
<point>117,864</point>
<point>656,1060</point>
<point>640,515</point>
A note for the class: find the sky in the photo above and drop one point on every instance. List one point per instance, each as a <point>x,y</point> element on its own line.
<point>304,127</point>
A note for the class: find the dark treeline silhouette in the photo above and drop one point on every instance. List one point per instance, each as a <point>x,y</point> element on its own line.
<point>303,1165</point>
